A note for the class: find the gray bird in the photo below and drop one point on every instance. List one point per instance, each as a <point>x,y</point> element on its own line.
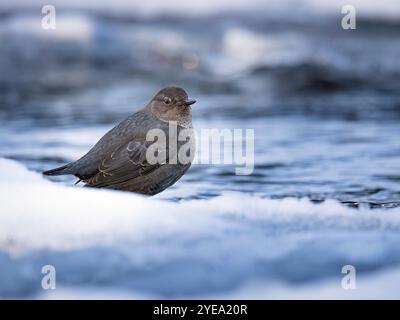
<point>118,160</point>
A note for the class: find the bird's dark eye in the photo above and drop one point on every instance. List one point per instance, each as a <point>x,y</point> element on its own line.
<point>167,100</point>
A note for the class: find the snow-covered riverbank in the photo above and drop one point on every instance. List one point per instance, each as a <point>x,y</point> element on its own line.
<point>111,244</point>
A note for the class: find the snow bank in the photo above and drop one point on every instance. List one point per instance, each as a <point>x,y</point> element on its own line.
<point>121,242</point>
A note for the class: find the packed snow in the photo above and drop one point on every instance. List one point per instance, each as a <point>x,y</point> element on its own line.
<point>115,244</point>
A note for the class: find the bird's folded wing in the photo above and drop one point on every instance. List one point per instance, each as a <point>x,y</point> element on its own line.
<point>123,163</point>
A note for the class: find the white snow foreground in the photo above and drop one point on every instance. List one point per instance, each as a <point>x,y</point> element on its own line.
<point>105,243</point>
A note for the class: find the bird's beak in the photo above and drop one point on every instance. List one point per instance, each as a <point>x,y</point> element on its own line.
<point>189,102</point>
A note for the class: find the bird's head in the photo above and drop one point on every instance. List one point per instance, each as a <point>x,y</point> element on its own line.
<point>172,104</point>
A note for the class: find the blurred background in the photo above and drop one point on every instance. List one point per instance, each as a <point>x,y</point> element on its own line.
<point>324,102</point>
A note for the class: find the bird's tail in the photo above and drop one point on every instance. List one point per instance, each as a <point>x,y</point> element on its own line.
<point>56,172</point>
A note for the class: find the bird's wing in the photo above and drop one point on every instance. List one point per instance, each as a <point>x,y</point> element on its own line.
<point>123,163</point>
<point>132,128</point>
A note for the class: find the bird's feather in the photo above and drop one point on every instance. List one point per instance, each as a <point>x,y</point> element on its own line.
<point>124,163</point>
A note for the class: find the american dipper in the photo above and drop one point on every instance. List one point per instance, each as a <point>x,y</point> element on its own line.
<point>120,159</point>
